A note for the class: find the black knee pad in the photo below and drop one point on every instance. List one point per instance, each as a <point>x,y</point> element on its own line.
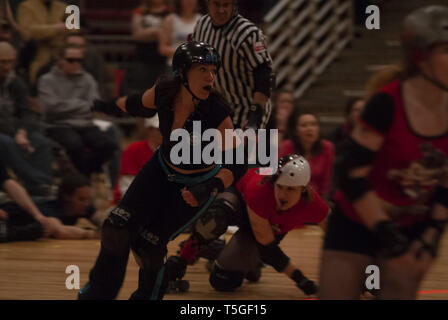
<point>219,216</point>
<point>223,280</point>
<point>119,217</point>
<point>212,249</point>
<point>115,238</point>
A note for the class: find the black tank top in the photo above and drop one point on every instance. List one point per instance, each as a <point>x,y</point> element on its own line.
<point>210,113</point>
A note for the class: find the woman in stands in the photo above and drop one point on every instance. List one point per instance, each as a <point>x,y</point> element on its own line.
<point>177,26</point>
<point>147,64</point>
<point>391,207</point>
<point>303,138</point>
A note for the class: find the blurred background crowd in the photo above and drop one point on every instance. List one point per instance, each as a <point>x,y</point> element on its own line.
<point>50,76</point>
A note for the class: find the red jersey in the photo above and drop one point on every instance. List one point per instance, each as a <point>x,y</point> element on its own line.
<point>398,167</point>
<point>135,156</point>
<point>321,165</point>
<point>261,200</point>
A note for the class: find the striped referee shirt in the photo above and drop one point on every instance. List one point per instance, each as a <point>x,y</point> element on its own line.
<point>241,45</point>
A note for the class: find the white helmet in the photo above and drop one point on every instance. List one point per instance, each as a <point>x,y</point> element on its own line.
<point>293,170</point>
<point>152,122</point>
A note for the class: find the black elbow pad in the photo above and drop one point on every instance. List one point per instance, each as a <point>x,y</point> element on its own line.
<point>274,256</point>
<point>353,155</point>
<point>135,107</point>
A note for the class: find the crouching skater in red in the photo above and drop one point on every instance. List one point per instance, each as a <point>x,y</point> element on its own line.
<point>273,206</point>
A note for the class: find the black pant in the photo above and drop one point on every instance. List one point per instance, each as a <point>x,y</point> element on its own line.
<point>88,147</point>
<point>151,212</point>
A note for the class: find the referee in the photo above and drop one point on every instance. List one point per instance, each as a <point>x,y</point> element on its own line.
<point>246,78</point>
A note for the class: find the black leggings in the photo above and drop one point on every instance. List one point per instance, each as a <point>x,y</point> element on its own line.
<point>151,213</point>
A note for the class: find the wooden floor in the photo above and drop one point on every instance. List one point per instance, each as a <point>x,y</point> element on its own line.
<point>36,270</point>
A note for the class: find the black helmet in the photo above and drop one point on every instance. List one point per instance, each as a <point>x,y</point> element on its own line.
<point>192,52</point>
<point>189,53</point>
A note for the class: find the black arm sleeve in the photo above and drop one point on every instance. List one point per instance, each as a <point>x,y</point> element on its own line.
<point>264,79</point>
<point>379,112</point>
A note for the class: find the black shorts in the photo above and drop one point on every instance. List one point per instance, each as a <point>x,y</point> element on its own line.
<point>344,234</point>
<point>155,205</point>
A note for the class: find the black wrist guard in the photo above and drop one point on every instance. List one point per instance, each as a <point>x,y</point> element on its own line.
<point>274,256</point>
<point>108,107</point>
<point>203,191</point>
<point>135,107</point>
<point>441,196</point>
<point>391,241</point>
<point>254,116</point>
<point>303,283</point>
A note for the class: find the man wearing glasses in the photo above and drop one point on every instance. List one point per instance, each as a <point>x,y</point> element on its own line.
<point>65,96</point>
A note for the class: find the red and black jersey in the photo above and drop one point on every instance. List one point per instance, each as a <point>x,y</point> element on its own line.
<point>261,200</point>
<point>407,165</point>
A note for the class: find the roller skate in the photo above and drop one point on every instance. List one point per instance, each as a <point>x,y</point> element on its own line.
<point>175,268</point>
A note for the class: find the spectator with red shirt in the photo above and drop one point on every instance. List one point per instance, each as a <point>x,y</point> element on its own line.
<point>274,205</point>
<point>136,156</point>
<point>303,138</point>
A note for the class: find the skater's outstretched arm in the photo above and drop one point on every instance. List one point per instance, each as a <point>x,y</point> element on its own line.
<point>19,195</point>
<point>272,254</point>
<point>137,105</point>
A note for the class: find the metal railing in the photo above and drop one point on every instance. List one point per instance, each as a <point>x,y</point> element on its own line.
<point>305,37</point>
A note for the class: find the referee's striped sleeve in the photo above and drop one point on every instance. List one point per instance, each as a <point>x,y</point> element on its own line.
<point>254,50</point>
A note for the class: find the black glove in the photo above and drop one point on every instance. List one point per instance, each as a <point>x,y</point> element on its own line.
<point>203,191</point>
<point>303,283</point>
<point>391,241</point>
<point>107,107</point>
<point>254,116</point>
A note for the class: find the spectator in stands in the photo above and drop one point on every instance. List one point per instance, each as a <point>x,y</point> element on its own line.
<point>148,64</point>
<point>44,22</point>
<point>23,147</point>
<point>136,155</point>
<point>283,107</point>
<point>66,95</point>
<point>8,24</point>
<point>303,138</point>
<point>30,223</point>
<point>177,26</point>
<point>93,63</point>
<point>353,109</point>
<point>74,201</point>
<point>23,220</point>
